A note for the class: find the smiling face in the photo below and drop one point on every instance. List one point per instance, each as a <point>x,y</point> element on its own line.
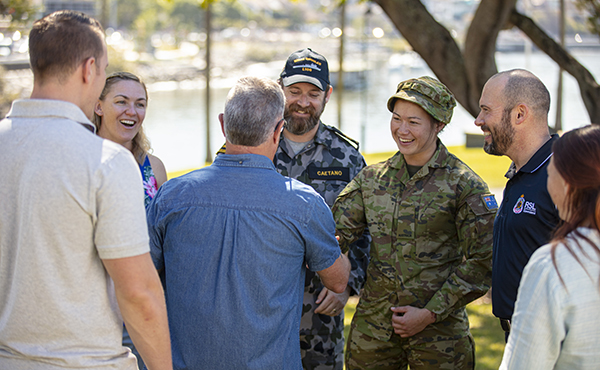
<point>414,131</point>
<point>304,104</point>
<point>494,119</point>
<point>122,112</point>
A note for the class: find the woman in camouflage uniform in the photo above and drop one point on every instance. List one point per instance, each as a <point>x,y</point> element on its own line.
<point>431,220</point>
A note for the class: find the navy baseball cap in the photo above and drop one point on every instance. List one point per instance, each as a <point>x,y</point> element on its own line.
<point>306,66</point>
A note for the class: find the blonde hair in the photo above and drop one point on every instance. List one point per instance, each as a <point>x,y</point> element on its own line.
<point>140,146</point>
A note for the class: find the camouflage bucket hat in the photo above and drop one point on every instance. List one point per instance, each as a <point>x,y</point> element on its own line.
<point>428,93</point>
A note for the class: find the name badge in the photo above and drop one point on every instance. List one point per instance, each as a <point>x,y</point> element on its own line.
<point>329,173</point>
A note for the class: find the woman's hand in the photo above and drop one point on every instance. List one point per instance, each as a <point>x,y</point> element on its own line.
<point>408,321</point>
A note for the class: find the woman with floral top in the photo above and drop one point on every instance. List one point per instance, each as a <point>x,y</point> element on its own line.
<point>118,116</point>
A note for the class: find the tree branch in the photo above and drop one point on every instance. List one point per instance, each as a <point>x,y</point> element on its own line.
<point>590,91</point>
<point>490,18</point>
<point>431,41</point>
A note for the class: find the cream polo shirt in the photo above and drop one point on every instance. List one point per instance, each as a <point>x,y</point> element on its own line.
<point>67,200</point>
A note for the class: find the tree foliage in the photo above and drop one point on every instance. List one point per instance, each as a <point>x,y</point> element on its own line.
<point>592,8</point>
<point>466,71</point>
<point>18,11</point>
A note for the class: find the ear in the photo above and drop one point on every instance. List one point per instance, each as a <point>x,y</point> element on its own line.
<point>88,70</point>
<point>98,109</point>
<point>521,113</point>
<point>276,136</point>
<point>222,124</point>
<point>328,94</point>
<point>440,126</point>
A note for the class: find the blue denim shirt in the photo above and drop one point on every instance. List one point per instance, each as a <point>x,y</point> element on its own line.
<point>232,242</point>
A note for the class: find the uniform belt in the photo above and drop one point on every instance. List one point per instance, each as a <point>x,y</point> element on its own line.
<point>505,324</point>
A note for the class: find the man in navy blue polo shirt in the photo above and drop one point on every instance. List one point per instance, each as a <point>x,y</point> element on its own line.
<point>514,119</point>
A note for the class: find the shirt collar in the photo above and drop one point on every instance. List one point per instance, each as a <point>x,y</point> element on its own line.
<point>541,157</point>
<point>322,135</point>
<point>244,160</point>
<point>47,108</point>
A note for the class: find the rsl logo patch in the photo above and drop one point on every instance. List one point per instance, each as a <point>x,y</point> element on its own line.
<point>518,208</point>
<point>529,208</point>
<point>523,205</point>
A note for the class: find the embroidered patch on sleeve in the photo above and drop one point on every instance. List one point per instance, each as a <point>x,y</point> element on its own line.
<point>490,202</point>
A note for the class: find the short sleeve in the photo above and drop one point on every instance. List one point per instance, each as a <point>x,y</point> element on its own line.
<point>322,248</point>
<point>120,229</point>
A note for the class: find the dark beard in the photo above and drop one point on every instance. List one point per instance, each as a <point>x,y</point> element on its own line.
<point>300,126</point>
<point>502,138</point>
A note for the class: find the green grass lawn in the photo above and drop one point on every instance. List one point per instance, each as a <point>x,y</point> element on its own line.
<point>489,337</point>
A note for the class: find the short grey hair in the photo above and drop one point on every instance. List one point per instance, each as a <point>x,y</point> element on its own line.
<point>252,109</point>
<point>523,86</point>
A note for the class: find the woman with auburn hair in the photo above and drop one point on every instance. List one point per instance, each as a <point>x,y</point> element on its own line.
<point>118,116</point>
<point>556,324</point>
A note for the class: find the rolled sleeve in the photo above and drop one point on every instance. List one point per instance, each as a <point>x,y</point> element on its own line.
<point>322,249</point>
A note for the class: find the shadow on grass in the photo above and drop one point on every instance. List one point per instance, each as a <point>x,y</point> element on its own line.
<point>485,328</point>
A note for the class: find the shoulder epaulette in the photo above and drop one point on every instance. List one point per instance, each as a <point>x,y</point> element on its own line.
<point>343,136</point>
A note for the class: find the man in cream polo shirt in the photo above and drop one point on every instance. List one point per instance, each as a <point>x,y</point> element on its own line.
<point>74,258</point>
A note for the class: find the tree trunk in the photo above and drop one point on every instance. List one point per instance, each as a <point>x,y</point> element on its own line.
<point>480,46</point>
<point>432,42</point>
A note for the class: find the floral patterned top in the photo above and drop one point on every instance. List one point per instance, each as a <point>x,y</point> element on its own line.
<point>149,181</point>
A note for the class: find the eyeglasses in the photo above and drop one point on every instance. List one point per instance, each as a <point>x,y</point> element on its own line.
<point>282,126</point>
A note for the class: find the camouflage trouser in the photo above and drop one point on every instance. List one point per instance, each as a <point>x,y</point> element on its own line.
<point>322,352</point>
<point>365,352</point>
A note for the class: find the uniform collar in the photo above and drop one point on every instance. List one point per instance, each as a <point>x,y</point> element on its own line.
<point>439,159</point>
<point>322,135</point>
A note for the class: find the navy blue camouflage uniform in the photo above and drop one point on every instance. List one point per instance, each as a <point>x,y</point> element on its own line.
<point>327,163</point>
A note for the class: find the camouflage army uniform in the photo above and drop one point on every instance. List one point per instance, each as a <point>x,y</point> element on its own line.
<point>327,164</point>
<point>432,248</point>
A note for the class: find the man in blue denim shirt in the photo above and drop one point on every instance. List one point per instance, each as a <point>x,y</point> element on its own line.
<point>232,243</point>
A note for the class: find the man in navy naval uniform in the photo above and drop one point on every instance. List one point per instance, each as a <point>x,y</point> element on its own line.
<point>324,158</point>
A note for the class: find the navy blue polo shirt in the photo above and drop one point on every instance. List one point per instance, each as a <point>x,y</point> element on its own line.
<point>524,222</point>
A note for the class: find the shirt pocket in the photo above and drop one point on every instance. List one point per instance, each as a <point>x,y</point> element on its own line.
<point>436,237</point>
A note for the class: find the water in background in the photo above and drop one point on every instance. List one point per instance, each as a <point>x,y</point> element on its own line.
<point>175,121</point>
